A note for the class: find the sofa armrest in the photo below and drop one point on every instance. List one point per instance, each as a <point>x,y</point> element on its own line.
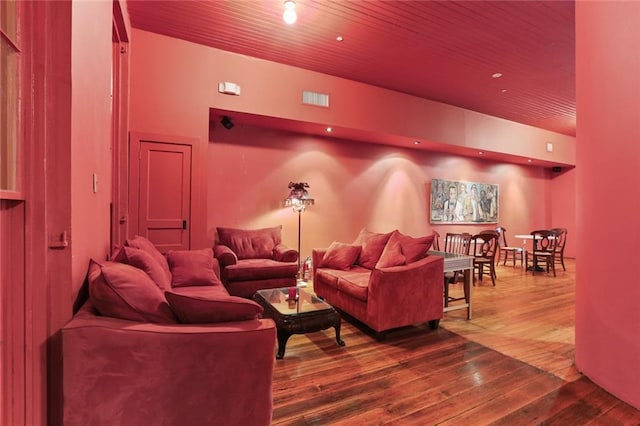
<point>124,372</point>
<point>225,255</point>
<point>408,292</point>
<point>282,253</point>
<point>316,257</point>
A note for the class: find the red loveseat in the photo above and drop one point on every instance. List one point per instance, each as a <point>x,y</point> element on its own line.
<point>187,353</point>
<point>383,280</point>
<point>254,259</point>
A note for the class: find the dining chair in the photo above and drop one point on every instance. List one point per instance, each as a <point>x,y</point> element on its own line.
<point>436,240</point>
<point>485,247</point>
<point>495,260</point>
<point>516,252</point>
<point>457,243</point>
<point>543,251</point>
<point>561,239</point>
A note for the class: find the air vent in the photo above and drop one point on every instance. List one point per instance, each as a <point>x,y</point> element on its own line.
<point>317,99</point>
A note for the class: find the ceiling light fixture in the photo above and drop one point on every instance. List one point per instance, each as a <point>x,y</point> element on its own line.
<point>329,129</point>
<point>340,38</point>
<point>416,142</point>
<point>290,16</point>
<point>496,75</point>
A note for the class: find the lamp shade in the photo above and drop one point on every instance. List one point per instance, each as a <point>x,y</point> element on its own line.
<point>299,197</point>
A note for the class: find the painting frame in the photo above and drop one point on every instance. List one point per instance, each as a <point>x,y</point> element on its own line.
<point>463,202</point>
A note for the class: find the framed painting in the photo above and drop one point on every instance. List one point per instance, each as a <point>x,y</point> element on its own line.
<point>455,201</point>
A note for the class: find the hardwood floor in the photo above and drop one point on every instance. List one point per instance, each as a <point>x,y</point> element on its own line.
<point>512,364</point>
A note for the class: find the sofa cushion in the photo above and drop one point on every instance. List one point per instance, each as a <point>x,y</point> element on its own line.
<point>192,267</point>
<point>123,291</point>
<point>142,243</point>
<point>392,254</point>
<point>340,255</point>
<point>205,307</point>
<point>355,285</point>
<point>257,269</point>
<point>329,277</point>
<point>251,243</point>
<point>415,248</point>
<point>143,260</point>
<point>372,245</point>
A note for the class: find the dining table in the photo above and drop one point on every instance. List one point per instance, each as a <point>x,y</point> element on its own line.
<point>525,238</point>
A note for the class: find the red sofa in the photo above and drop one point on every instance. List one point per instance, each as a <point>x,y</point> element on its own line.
<point>383,280</point>
<point>189,353</point>
<point>254,259</point>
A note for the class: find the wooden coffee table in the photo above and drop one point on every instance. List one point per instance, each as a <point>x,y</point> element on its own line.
<point>306,314</point>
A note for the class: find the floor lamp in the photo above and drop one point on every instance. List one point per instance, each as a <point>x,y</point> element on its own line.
<point>299,199</point>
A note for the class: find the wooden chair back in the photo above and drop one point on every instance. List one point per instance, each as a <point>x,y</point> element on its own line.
<point>457,243</point>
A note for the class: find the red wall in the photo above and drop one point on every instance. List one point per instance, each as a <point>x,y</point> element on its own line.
<point>174,85</point>
<point>608,195</point>
<point>355,185</point>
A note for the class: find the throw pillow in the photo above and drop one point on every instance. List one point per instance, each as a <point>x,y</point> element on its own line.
<point>340,256</point>
<point>251,243</point>
<point>372,245</point>
<point>392,254</point>
<point>192,267</point>
<point>142,243</point>
<point>415,248</point>
<point>201,309</point>
<point>122,291</point>
<point>143,260</point>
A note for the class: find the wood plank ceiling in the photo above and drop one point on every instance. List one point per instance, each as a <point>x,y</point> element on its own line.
<point>445,51</point>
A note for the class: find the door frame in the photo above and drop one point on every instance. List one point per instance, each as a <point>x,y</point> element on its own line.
<point>197,202</point>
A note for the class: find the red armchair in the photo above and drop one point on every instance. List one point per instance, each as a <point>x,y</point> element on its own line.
<point>254,259</point>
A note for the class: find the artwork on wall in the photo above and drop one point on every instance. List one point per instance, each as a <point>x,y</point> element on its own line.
<point>463,202</point>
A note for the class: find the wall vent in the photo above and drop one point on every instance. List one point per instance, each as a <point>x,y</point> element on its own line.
<point>317,99</point>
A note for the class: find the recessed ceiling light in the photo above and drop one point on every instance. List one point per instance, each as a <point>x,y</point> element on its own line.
<point>340,38</point>
<point>496,75</point>
<point>481,152</point>
<point>290,16</point>
<point>416,142</point>
<point>504,90</point>
<point>529,160</point>
<point>329,129</point>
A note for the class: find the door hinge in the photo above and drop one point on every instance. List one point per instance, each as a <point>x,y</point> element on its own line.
<point>184,224</point>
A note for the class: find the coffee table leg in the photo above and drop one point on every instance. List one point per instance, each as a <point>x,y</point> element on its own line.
<point>337,327</point>
<point>283,336</point>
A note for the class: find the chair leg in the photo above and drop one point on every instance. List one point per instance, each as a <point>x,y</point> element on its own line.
<point>446,292</point>
<point>492,272</point>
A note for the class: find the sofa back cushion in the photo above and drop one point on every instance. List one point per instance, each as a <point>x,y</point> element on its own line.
<point>192,267</point>
<point>251,243</point>
<point>340,256</point>
<point>123,291</point>
<point>372,246</point>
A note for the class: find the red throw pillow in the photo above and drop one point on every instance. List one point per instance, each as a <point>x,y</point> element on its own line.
<point>392,254</point>
<point>372,245</point>
<point>123,291</point>
<point>143,260</point>
<point>203,309</point>
<point>192,267</point>
<point>340,256</point>
<point>142,243</point>
<point>415,248</point>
